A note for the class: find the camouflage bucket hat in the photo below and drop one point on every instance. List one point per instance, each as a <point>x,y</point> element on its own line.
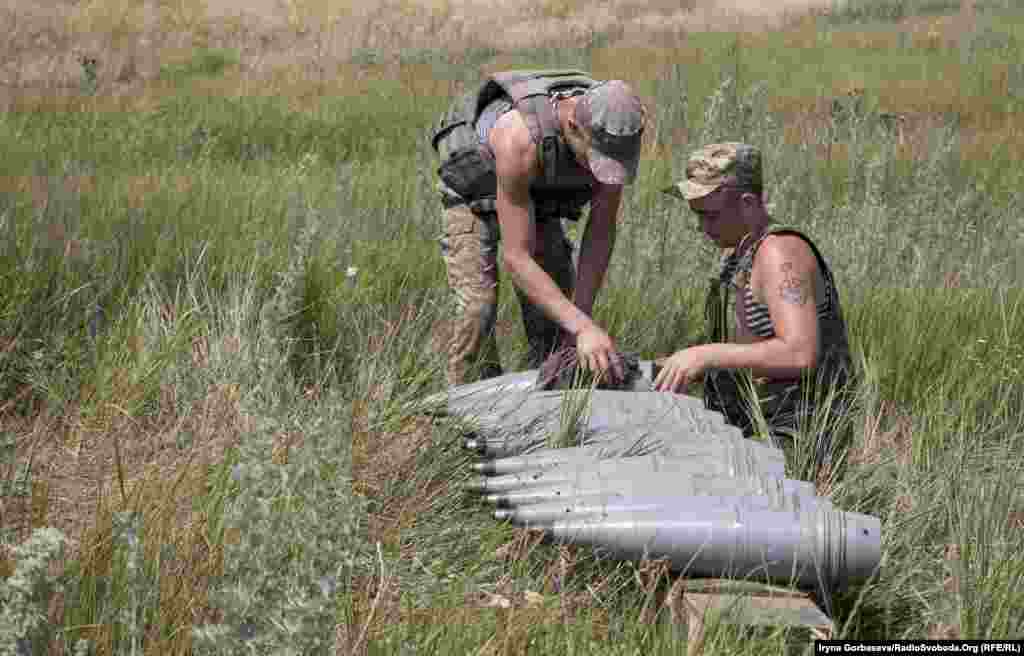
<point>615,118</point>
<point>716,165</point>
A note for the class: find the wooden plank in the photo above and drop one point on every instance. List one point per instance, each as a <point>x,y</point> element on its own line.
<point>731,586</point>
<point>749,603</point>
<point>760,611</point>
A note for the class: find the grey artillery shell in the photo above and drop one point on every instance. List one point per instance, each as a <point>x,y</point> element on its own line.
<point>633,439</point>
<point>821,548</point>
<point>726,448</point>
<point>690,484</point>
<point>478,394</point>
<point>637,467</point>
<point>647,474</point>
<point>462,398</point>
<point>612,506</point>
<point>520,422</point>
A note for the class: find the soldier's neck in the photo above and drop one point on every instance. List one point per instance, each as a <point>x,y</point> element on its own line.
<point>564,108</point>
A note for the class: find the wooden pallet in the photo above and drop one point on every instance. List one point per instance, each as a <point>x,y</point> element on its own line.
<point>748,603</point>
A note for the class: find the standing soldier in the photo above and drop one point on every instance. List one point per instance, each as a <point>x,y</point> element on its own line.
<point>523,151</point>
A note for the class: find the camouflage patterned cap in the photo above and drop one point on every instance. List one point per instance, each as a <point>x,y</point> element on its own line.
<point>615,117</point>
<point>730,163</point>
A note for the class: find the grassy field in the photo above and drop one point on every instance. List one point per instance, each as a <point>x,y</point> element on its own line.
<point>221,286</point>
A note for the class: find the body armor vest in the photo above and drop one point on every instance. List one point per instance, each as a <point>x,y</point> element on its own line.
<point>468,167</point>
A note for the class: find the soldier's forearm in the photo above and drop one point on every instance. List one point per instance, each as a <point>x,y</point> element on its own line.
<point>772,358</point>
<point>595,253</point>
<point>544,293</point>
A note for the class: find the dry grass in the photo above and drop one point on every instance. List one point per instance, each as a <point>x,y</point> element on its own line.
<point>891,443</point>
<point>90,468</point>
<point>38,188</point>
<point>916,108</point>
<point>131,39</point>
<point>940,32</point>
<point>380,459</point>
<point>928,34</point>
<point>301,50</point>
<point>643,61</point>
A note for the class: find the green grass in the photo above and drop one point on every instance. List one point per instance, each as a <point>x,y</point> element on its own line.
<point>198,289</point>
<point>208,62</point>
<point>892,10</point>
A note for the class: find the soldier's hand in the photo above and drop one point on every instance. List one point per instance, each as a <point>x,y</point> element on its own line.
<point>596,352</point>
<point>681,369</point>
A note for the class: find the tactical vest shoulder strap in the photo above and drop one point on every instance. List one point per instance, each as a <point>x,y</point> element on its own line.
<point>746,262</point>
<point>716,303</point>
<point>523,84</point>
<point>527,87</point>
<point>530,91</point>
<point>826,271</point>
<point>787,230</point>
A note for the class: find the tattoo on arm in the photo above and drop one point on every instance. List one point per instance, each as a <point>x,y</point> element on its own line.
<point>793,289</point>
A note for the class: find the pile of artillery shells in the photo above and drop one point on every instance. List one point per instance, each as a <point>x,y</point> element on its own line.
<point>639,474</point>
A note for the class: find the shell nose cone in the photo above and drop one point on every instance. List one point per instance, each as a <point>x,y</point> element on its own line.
<point>486,467</point>
<point>475,484</point>
<point>498,500</point>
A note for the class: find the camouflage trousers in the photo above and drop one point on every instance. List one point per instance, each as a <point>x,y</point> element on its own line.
<point>469,246</point>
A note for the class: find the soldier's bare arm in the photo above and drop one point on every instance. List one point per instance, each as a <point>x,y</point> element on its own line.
<point>516,166</point>
<point>597,244</point>
<point>785,272</point>
<point>784,275</point>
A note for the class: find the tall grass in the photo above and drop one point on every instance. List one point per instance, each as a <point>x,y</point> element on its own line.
<point>216,305</point>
